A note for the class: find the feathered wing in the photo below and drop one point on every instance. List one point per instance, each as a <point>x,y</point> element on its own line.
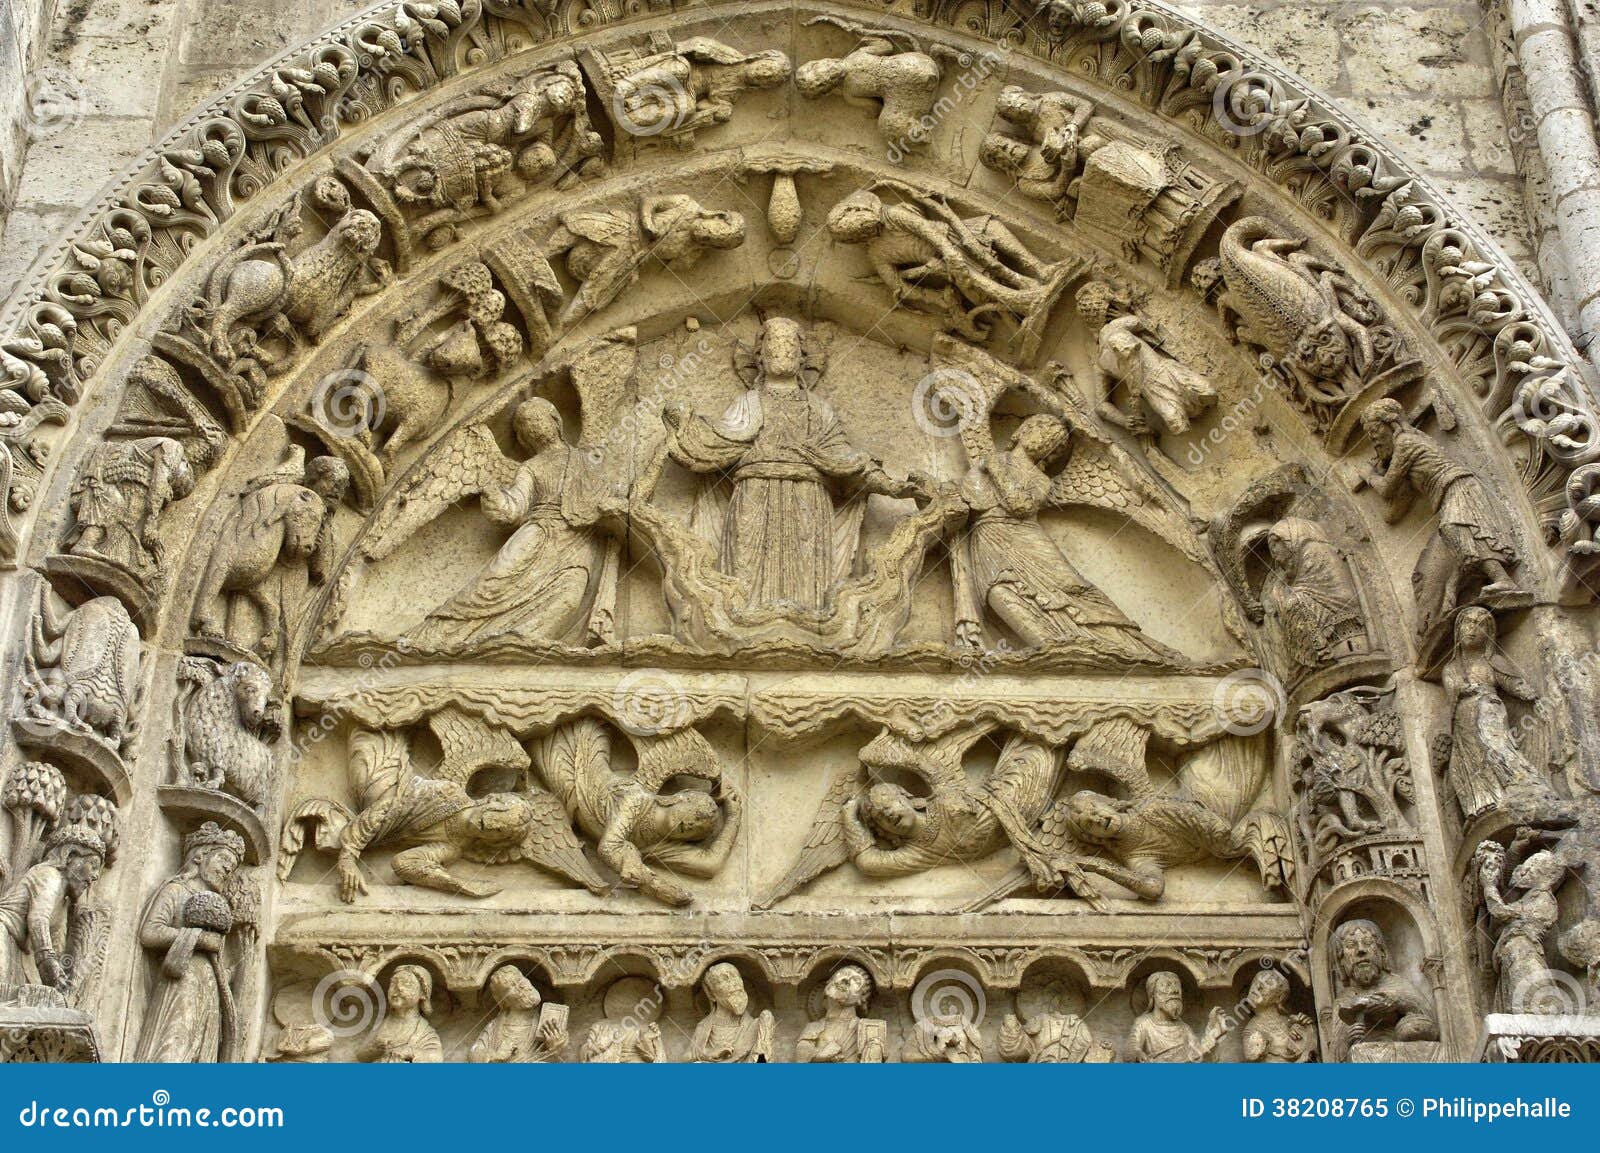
<point>471,745</point>
<point>551,844</point>
<point>467,462</point>
<point>1024,776</point>
<point>575,762</point>
<point>1053,835</point>
<point>1226,777</point>
<point>1101,475</point>
<point>825,846</point>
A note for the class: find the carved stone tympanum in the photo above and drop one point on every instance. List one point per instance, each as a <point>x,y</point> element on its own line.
<point>940,533</point>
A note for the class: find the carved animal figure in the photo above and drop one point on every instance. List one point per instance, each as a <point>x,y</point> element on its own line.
<point>887,69</point>
<point>230,721</point>
<point>86,666</point>
<point>261,284</point>
<point>284,516</point>
<point>1300,310</point>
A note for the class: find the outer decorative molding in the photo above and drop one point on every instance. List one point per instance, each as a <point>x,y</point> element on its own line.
<point>67,318</point>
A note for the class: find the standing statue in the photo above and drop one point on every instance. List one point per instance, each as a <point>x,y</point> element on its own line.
<point>1526,982</point>
<point>632,818</point>
<point>522,1029</point>
<point>1470,545</point>
<point>192,1015</point>
<point>787,456</point>
<point>404,1035</point>
<point>1374,1002</point>
<point>1161,1035</point>
<point>1161,395</point>
<point>964,270</point>
<point>843,1035</point>
<point>1486,768</point>
<point>281,517</point>
<point>888,70</point>
<point>118,499</point>
<point>1270,1033</point>
<point>730,1034</point>
<point>1308,599</point>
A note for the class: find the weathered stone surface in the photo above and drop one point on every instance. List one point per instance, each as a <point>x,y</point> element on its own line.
<point>925,562</point>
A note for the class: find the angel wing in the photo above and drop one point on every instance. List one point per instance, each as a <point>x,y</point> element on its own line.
<point>1226,777</point>
<point>471,745</point>
<point>1102,475</point>
<point>1053,837</point>
<point>467,462</point>
<point>551,844</point>
<point>574,761</point>
<point>1024,777</point>
<point>825,846</point>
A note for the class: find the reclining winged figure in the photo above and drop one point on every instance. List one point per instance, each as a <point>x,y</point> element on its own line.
<point>1207,814</point>
<point>435,819</point>
<point>886,831</point>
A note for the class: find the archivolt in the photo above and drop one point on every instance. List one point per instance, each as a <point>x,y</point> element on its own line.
<point>1484,333</point>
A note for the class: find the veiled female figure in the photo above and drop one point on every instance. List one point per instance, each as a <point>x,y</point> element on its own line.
<point>192,1015</point>
<point>538,585</point>
<point>786,453</point>
<point>1485,762</point>
<point>730,1034</point>
<point>1308,595</point>
<point>1009,565</point>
